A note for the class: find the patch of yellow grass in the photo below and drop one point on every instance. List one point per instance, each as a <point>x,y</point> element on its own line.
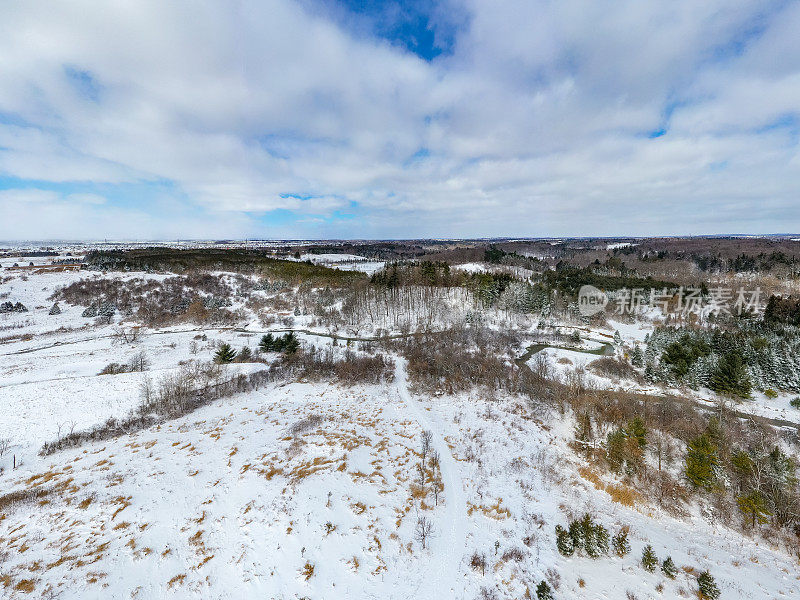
<point>493,511</point>
<point>25,585</point>
<point>619,492</point>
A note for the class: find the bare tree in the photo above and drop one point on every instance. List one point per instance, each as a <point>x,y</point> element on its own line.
<point>423,531</point>
<point>427,438</point>
<point>139,362</point>
<point>5,444</point>
<point>436,468</point>
<point>421,471</point>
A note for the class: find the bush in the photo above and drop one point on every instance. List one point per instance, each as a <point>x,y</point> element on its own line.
<point>478,562</point>
<point>114,369</point>
<point>795,402</point>
<point>614,368</point>
<point>770,393</point>
<point>349,369</point>
<point>649,559</point>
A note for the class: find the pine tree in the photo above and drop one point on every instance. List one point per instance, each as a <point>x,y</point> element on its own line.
<point>245,355</point>
<point>701,462</point>
<point>225,354</point>
<point>278,344</point>
<point>290,343</point>
<point>617,338</point>
<point>584,433</point>
<point>649,559</point>
<point>731,377</point>
<point>637,357</point>
<point>564,542</point>
<point>267,343</point>
<point>754,508</point>
<point>56,310</point>
<point>543,591</point>
<point>668,568</point>
<point>707,586</point>
<point>620,542</point>
<point>583,534</point>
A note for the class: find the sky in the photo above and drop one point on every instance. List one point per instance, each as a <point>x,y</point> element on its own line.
<point>146,119</point>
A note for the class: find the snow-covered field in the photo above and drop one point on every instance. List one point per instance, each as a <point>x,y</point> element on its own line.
<point>311,490</point>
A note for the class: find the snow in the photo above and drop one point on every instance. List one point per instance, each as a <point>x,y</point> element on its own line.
<point>232,501</point>
<point>346,262</point>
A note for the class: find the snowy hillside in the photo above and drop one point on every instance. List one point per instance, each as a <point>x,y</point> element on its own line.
<point>311,486</point>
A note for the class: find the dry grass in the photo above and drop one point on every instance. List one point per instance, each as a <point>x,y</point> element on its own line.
<point>25,585</point>
<point>619,492</point>
<point>493,511</point>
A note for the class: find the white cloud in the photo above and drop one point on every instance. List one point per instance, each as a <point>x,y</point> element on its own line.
<point>536,123</point>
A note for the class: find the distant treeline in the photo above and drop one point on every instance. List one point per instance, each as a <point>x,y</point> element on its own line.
<point>234,260</point>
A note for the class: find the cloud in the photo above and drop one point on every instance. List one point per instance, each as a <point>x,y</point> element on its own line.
<point>311,120</point>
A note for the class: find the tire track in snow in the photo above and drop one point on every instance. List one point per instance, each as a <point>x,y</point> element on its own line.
<point>450,536</point>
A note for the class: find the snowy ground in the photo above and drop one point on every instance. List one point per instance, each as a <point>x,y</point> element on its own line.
<point>235,500</point>
<point>311,490</point>
<point>346,262</point>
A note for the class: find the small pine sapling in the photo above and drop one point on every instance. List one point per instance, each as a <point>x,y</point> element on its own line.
<point>225,354</point>
<point>543,591</point>
<point>649,559</point>
<point>668,568</point>
<point>707,586</point>
<point>620,542</point>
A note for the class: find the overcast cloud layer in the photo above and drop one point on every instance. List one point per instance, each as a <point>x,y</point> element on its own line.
<point>269,118</point>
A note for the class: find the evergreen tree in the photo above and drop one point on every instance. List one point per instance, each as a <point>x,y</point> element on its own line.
<point>637,357</point>
<point>290,343</point>
<point>543,591</point>
<point>267,343</point>
<point>245,355</point>
<point>617,338</point>
<point>649,559</point>
<point>225,354</point>
<point>278,344</point>
<point>584,433</point>
<point>668,568</point>
<point>707,586</point>
<point>564,542</point>
<point>731,377</point>
<point>620,542</point>
<point>701,462</point>
<point>754,508</point>
<point>56,310</point>
<point>625,446</point>
<point>583,534</point>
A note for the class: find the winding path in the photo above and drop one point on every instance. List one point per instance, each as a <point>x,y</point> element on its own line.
<point>450,525</point>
